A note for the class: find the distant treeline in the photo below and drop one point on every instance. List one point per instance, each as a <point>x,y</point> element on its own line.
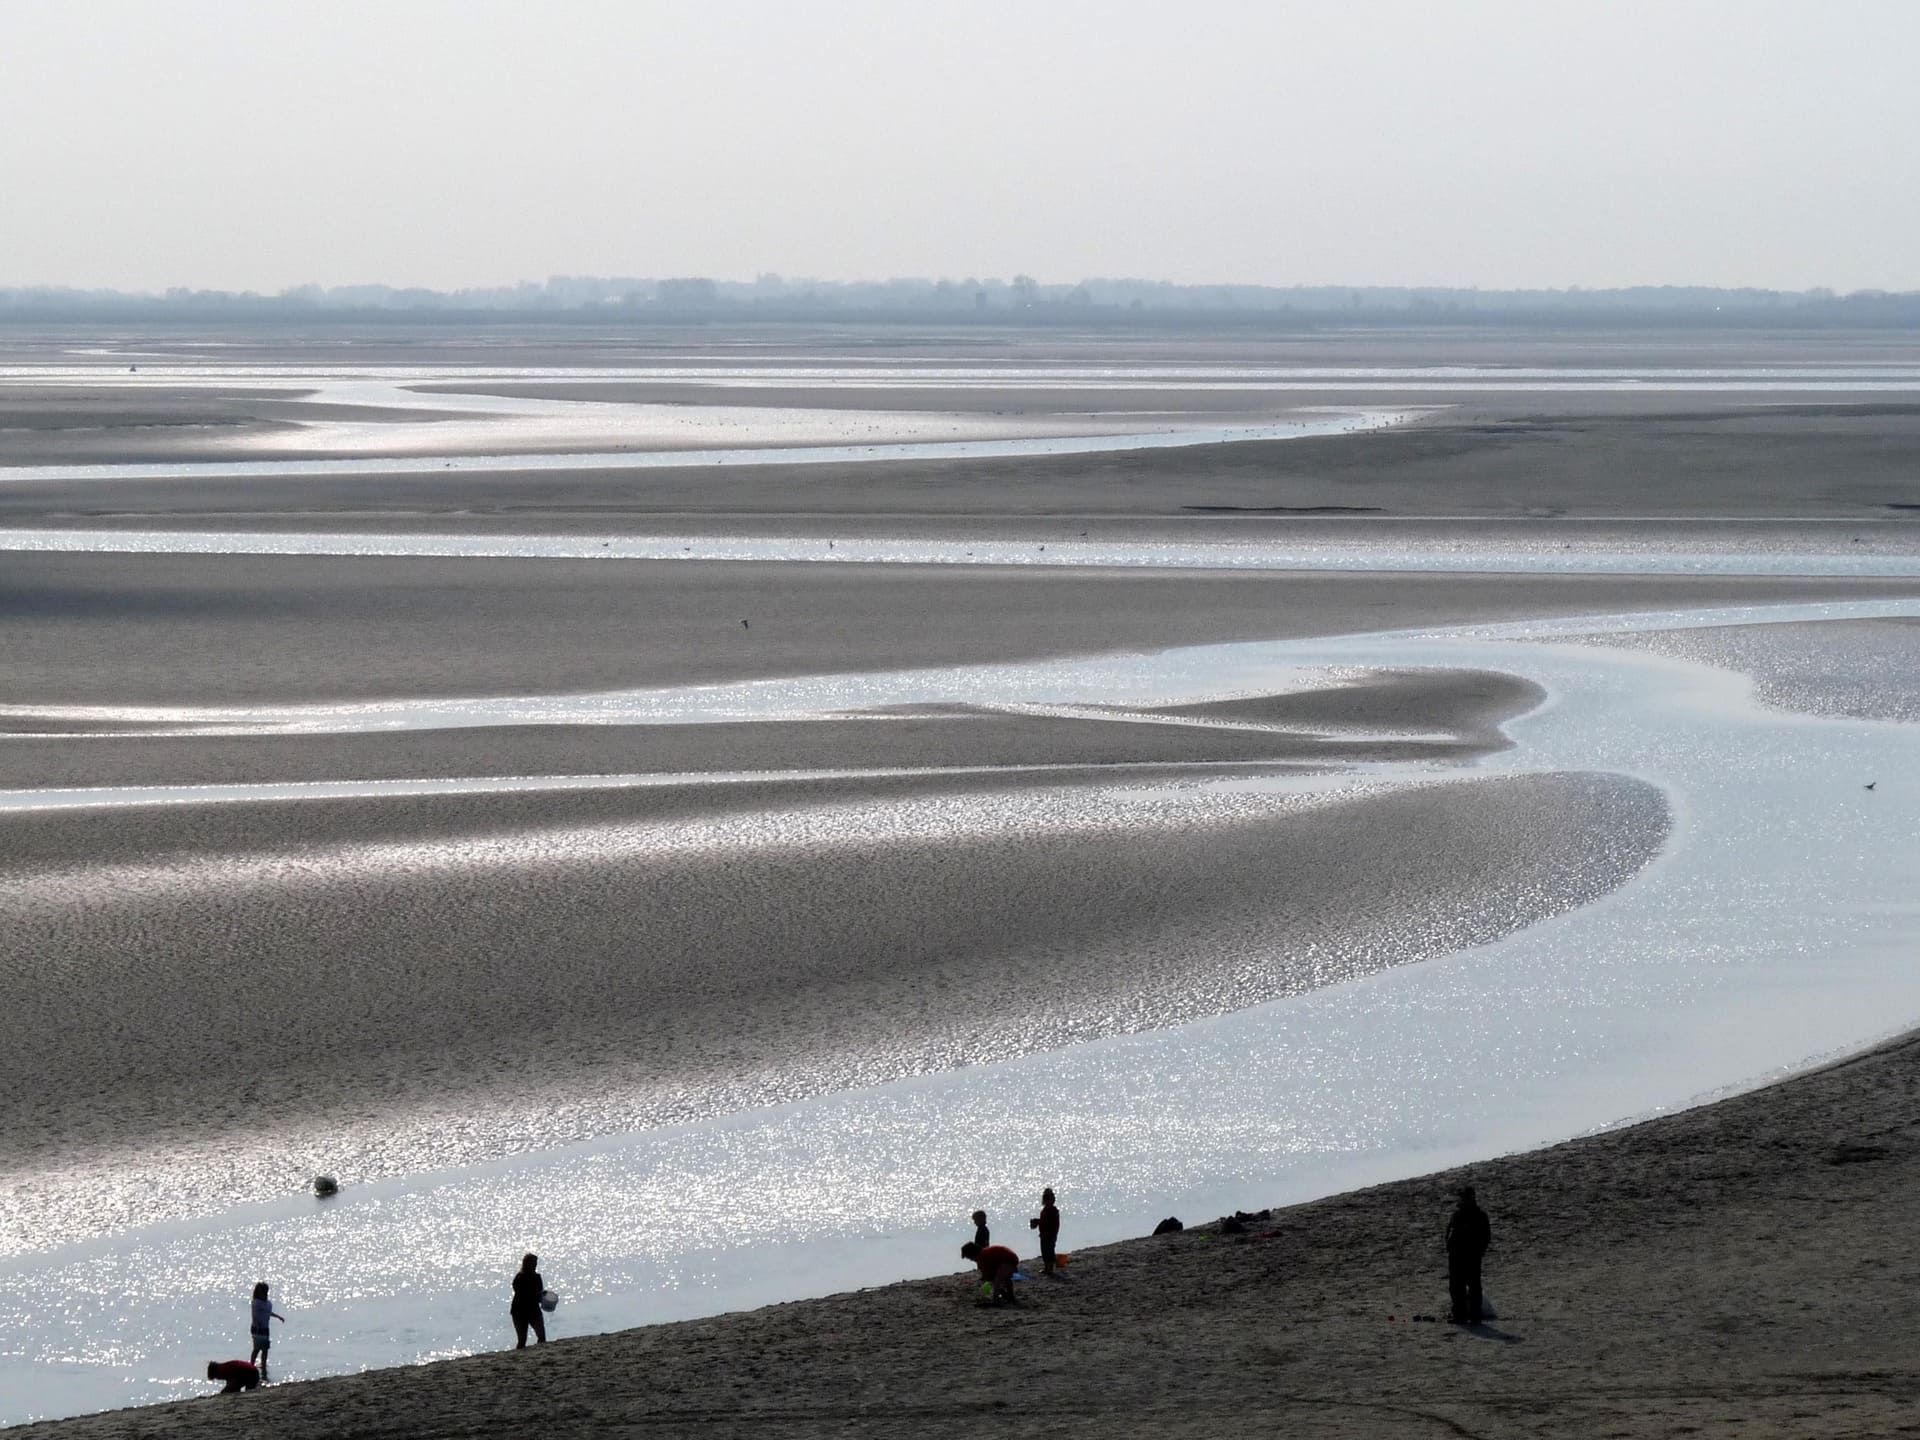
<point>1019,301</point>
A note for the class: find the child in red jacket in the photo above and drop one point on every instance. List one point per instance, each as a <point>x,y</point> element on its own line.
<point>238,1375</point>
<point>997,1264</point>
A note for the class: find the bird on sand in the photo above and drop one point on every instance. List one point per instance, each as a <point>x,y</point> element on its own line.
<point>1872,783</point>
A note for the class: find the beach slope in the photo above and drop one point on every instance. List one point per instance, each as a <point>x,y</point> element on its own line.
<point>1740,1269</point>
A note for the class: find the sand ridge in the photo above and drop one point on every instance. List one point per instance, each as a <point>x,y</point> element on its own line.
<point>695,966</point>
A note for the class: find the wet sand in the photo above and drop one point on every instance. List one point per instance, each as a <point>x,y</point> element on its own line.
<point>1524,455</point>
<point>1371,718</point>
<point>69,422</point>
<point>79,424</point>
<point>186,629</point>
<point>1869,669</point>
<point>1731,1272</point>
<point>812,344</point>
<point>451,977</point>
<point>358,883</point>
<point>551,966</point>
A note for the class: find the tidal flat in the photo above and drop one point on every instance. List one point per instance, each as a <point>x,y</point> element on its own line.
<point>1250,872</point>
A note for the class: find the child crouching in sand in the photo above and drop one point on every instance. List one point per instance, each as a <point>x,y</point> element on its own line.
<point>997,1264</point>
<point>236,1375</point>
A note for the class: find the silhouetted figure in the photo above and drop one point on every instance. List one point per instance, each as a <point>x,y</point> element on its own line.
<point>997,1264</point>
<point>263,1317</point>
<point>1047,1222</point>
<point>1468,1236</point>
<point>237,1375</point>
<point>982,1236</point>
<point>525,1310</point>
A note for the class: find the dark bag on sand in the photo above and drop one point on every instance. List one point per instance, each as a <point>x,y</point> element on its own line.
<point>1169,1226</point>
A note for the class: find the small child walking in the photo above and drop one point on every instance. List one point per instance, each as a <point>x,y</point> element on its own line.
<point>263,1313</point>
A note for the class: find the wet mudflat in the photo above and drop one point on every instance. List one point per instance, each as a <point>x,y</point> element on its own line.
<point>809,897</point>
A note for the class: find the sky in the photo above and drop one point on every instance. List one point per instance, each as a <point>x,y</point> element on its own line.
<point>449,143</point>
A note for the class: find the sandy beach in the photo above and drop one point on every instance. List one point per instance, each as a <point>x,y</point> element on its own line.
<point>1732,1271</point>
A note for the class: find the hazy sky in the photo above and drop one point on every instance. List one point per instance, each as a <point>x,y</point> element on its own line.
<point>456,142</point>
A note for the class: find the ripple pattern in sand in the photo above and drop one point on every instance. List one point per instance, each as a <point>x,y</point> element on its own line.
<point>555,983</point>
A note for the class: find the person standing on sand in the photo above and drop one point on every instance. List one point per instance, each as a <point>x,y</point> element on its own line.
<point>982,1236</point>
<point>263,1317</point>
<point>528,1287</point>
<point>1468,1236</point>
<point>997,1264</point>
<point>1047,1222</point>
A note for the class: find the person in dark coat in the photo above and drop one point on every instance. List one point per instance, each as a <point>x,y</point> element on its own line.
<point>1468,1236</point>
<point>525,1310</point>
<point>1047,1222</point>
<point>982,1236</point>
